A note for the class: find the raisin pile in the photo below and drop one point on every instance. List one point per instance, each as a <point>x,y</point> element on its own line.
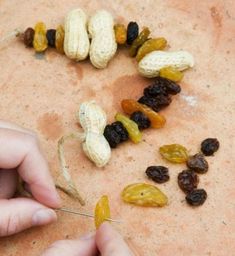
<point>115,134</point>
<point>159,174</point>
<point>157,96</point>
<point>141,119</point>
<point>188,179</point>
<point>209,146</point>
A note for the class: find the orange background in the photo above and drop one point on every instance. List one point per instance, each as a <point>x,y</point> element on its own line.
<point>44,94</point>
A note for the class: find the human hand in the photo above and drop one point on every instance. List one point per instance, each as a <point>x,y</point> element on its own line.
<point>106,242</point>
<point>20,155</point>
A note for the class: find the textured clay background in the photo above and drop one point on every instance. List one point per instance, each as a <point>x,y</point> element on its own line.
<point>44,94</point>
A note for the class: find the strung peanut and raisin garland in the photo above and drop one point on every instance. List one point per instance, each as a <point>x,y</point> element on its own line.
<point>98,137</point>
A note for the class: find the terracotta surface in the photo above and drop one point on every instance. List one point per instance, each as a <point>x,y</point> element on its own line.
<point>44,94</point>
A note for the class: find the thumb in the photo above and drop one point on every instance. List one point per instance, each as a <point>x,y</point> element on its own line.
<point>22,213</point>
<point>110,242</point>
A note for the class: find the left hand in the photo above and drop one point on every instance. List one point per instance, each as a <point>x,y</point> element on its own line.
<point>20,154</point>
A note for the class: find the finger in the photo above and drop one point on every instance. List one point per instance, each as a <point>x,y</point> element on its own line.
<point>21,213</point>
<point>110,242</point>
<point>82,247</point>
<point>22,150</point>
<point>8,183</point>
<point>12,126</point>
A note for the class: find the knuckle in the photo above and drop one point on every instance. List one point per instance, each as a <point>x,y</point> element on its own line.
<point>32,142</point>
<point>9,225</point>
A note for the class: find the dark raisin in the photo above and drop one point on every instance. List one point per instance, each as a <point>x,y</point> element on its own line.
<point>209,146</point>
<point>198,163</point>
<point>162,86</point>
<point>172,87</point>
<point>111,136</point>
<point>141,119</point>
<point>159,174</point>
<point>154,90</point>
<point>163,100</point>
<point>120,130</point>
<point>188,180</point>
<point>196,197</point>
<point>132,32</point>
<point>28,37</point>
<point>51,37</point>
<point>157,103</point>
<point>150,102</point>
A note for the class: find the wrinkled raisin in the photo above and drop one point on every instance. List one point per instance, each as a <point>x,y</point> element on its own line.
<point>59,39</point>
<point>155,90</point>
<point>102,211</point>
<point>162,86</point>
<point>51,37</point>
<point>120,33</point>
<point>141,119</point>
<point>198,163</point>
<point>188,180</point>
<point>131,106</point>
<point>174,153</point>
<point>150,45</point>
<point>157,103</point>
<point>40,42</point>
<point>132,128</point>
<point>132,32</point>
<point>120,130</point>
<point>111,136</point>
<point>159,174</point>
<point>142,37</point>
<point>28,37</point>
<point>171,73</point>
<point>209,146</point>
<point>143,194</point>
<point>196,197</point>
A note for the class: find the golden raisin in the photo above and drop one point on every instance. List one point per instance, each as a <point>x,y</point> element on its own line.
<point>40,40</point>
<point>102,211</point>
<point>120,33</point>
<point>142,37</point>
<point>59,39</point>
<point>171,73</point>
<point>131,127</point>
<point>130,106</point>
<point>143,194</point>
<point>151,45</point>
<point>174,153</point>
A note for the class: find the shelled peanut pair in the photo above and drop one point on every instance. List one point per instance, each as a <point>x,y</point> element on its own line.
<point>93,121</point>
<point>73,39</point>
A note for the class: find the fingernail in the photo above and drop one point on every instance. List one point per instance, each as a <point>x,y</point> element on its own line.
<point>43,217</point>
<point>87,236</point>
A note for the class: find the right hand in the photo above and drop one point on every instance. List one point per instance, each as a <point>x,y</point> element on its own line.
<point>106,241</point>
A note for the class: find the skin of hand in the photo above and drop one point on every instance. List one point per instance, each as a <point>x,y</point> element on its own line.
<point>106,242</point>
<point>20,155</point>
